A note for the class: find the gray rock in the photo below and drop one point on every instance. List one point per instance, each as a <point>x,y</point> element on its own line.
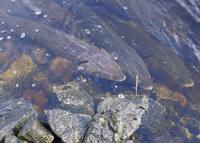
<point>117,119</point>
<point>69,127</point>
<point>14,113</point>
<point>74,98</point>
<point>33,131</point>
<point>154,118</point>
<point>11,139</point>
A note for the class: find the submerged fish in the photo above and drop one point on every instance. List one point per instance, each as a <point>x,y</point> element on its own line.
<point>161,61</point>
<point>88,26</point>
<point>91,59</point>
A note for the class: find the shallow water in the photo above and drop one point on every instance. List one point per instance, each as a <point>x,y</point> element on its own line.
<point>35,58</point>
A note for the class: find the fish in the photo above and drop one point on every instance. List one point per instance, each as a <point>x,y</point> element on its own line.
<point>163,63</point>
<point>86,25</point>
<point>99,62</point>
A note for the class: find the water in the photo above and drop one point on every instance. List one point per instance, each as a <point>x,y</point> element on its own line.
<point>155,43</point>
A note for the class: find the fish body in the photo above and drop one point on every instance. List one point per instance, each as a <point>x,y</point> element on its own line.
<point>86,25</point>
<point>162,62</point>
<point>99,62</point>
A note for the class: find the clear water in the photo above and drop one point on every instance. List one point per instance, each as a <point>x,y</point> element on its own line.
<point>161,40</point>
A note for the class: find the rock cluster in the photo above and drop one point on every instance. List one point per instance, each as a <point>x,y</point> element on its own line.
<point>115,119</point>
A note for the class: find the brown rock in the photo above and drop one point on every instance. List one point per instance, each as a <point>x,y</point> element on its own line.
<point>181,99</point>
<point>166,93</point>
<point>61,67</point>
<point>36,97</point>
<point>18,70</point>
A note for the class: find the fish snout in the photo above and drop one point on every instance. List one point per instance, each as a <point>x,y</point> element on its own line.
<point>189,83</point>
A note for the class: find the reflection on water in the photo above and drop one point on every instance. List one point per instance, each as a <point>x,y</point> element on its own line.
<point>109,48</point>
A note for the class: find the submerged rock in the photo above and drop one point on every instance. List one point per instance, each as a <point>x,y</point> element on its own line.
<point>33,131</point>
<point>74,98</point>
<point>116,120</point>
<point>61,67</point>
<point>18,70</point>
<point>166,93</point>
<point>154,118</point>
<point>13,139</point>
<point>69,127</point>
<point>14,113</point>
<point>37,97</point>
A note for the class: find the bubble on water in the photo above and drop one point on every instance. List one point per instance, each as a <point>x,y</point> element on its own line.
<point>115,58</point>
<point>36,30</point>
<point>23,35</point>
<point>121,96</point>
<point>11,30</point>
<point>8,10</point>
<point>165,62</point>
<point>45,15</point>
<point>33,85</point>
<point>125,8</point>
<point>8,37</point>
<point>63,2</point>
<point>47,54</point>
<point>80,68</point>
<point>2,22</point>
<point>115,86</point>
<point>38,12</point>
<point>1,49</point>
<point>84,80</point>
<point>1,38</point>
<point>123,37</point>
<point>87,31</point>
<point>17,26</point>
<point>17,85</point>
<point>99,26</point>
<point>12,0</point>
<point>14,72</point>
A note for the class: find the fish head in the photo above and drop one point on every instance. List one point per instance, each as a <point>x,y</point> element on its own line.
<point>146,85</point>
<point>99,63</point>
<point>187,83</point>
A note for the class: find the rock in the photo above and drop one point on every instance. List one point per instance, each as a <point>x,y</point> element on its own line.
<point>190,121</point>
<point>117,119</point>
<point>155,120</point>
<point>69,127</point>
<point>18,70</point>
<point>198,136</point>
<point>37,97</point>
<point>187,133</point>
<point>33,131</point>
<point>74,98</point>
<point>61,67</point>
<point>11,139</point>
<point>165,93</point>
<point>14,113</point>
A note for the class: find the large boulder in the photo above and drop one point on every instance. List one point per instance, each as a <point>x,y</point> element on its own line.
<point>14,113</point>
<point>117,119</point>
<point>74,98</point>
<point>33,131</point>
<point>69,127</point>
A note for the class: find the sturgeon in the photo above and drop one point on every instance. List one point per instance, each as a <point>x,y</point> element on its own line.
<point>91,59</point>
